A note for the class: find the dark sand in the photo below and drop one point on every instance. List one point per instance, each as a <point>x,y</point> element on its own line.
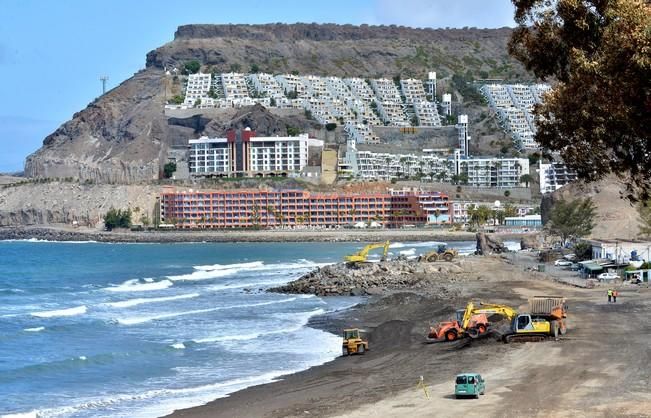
<point>600,368</point>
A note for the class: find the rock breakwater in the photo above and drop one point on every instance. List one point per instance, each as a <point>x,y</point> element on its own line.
<point>372,278</point>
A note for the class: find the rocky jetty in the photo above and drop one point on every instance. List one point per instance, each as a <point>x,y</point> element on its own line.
<point>372,278</point>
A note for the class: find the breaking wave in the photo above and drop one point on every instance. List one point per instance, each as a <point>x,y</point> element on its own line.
<point>139,301</point>
<point>136,285</point>
<point>79,310</point>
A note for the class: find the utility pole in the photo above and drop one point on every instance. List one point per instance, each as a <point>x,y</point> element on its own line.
<point>103,79</point>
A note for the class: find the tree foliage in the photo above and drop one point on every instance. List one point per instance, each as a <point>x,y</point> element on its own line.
<point>192,67</point>
<point>597,115</point>
<point>572,219</point>
<point>117,218</point>
<point>169,169</point>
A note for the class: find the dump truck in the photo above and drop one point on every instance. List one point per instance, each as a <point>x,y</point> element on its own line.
<point>354,342</point>
<point>547,318</point>
<point>362,255</point>
<point>471,321</point>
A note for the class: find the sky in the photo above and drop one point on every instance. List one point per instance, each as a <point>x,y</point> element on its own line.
<point>52,53</point>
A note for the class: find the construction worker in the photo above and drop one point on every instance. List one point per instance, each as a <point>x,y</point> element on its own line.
<point>610,295</point>
<point>615,294</point>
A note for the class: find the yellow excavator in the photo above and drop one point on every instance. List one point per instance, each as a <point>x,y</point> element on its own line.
<point>362,255</point>
<point>471,321</point>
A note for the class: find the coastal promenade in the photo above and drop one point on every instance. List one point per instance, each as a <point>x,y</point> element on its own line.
<point>306,235</point>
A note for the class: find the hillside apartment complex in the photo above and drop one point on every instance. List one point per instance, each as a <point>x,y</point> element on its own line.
<point>295,208</point>
<point>355,103</point>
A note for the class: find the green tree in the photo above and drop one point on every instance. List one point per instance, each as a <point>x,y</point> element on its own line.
<point>331,126</point>
<point>597,116</point>
<point>255,68</point>
<point>236,67</point>
<point>573,219</point>
<point>169,169</point>
<point>293,131</point>
<point>272,102</point>
<point>507,193</point>
<point>526,179</point>
<point>191,67</point>
<point>117,219</point>
<point>144,219</point>
<point>510,210</point>
<point>178,99</point>
<point>644,210</point>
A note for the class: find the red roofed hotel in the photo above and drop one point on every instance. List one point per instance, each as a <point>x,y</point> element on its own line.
<point>276,208</point>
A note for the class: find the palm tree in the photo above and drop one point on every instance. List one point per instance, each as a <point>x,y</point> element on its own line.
<point>526,179</point>
<point>437,213</point>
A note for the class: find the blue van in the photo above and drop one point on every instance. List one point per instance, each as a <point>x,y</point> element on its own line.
<point>469,384</point>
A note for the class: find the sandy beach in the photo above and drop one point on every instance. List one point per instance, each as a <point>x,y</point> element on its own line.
<point>306,235</point>
<point>601,368</point>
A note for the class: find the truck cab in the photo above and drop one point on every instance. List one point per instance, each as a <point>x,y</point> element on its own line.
<point>469,385</point>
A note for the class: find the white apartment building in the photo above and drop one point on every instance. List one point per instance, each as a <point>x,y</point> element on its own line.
<point>386,90</point>
<point>209,155</point>
<point>392,113</point>
<point>514,104</point>
<point>491,171</point>
<point>234,85</point>
<point>463,135</point>
<point>360,89</point>
<point>292,83</point>
<point>553,176</point>
<point>427,113</point>
<point>197,87</point>
<point>413,90</point>
<point>279,154</point>
<point>266,85</point>
<point>446,104</point>
<point>431,85</point>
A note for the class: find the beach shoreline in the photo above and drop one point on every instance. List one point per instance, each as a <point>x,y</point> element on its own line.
<point>194,236</point>
<point>383,382</point>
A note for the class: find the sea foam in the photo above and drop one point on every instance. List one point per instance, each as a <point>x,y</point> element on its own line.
<point>143,319</point>
<point>36,329</point>
<point>79,310</point>
<point>139,301</point>
<point>135,285</point>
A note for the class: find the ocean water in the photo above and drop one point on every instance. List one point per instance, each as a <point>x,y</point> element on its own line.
<point>138,330</point>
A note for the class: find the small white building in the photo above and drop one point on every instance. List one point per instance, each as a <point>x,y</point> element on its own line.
<point>620,251</point>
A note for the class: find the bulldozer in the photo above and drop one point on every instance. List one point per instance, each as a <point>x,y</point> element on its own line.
<point>362,255</point>
<point>471,321</point>
<point>547,317</point>
<point>442,252</point>
<point>354,342</point>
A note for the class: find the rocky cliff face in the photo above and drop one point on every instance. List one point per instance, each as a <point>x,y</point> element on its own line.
<point>122,137</point>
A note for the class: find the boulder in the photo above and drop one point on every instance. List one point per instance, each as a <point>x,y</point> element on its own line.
<point>489,244</point>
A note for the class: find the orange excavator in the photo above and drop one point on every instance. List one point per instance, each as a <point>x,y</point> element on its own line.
<point>471,321</point>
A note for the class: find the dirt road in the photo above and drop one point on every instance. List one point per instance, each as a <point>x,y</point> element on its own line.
<point>601,368</point>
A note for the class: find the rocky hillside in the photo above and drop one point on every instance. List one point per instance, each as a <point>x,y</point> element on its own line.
<point>616,217</point>
<point>123,136</point>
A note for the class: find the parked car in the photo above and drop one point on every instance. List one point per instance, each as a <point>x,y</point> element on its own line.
<point>570,257</point>
<point>562,262</point>
<point>608,276</point>
<point>469,384</point>
<point>575,267</point>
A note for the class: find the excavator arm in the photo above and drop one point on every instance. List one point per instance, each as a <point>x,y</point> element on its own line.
<point>362,255</point>
<point>491,309</point>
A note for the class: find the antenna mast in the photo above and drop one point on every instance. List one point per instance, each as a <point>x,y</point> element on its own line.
<point>103,79</point>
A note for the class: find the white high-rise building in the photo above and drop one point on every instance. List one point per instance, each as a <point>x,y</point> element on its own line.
<point>197,87</point>
<point>464,137</point>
